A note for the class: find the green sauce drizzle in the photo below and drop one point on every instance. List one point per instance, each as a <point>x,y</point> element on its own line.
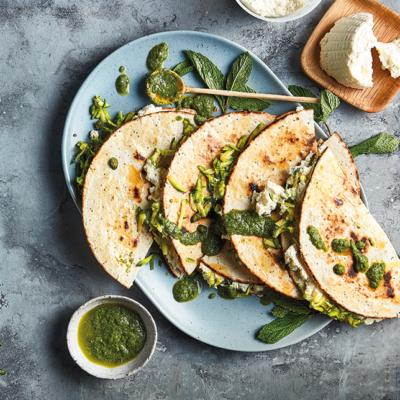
<point>316,238</point>
<point>156,57</point>
<point>203,104</point>
<point>212,296</point>
<point>227,292</point>
<point>111,335</point>
<point>186,289</point>
<point>122,84</point>
<point>339,269</point>
<point>163,87</point>
<point>213,244</point>
<point>362,262</point>
<point>375,274</point>
<point>340,245</point>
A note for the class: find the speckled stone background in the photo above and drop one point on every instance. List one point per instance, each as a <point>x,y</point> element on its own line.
<point>47,48</point>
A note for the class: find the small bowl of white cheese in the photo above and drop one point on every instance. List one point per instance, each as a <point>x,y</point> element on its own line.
<point>278,10</point>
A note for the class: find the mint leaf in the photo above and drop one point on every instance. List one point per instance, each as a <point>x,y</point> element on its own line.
<point>292,305</point>
<point>183,68</point>
<point>379,144</point>
<point>241,103</point>
<point>302,92</point>
<point>329,103</point>
<point>209,73</point>
<point>281,327</point>
<point>279,311</point>
<point>240,72</point>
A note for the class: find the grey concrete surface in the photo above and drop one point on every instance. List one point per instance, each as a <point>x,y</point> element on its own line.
<point>47,48</point>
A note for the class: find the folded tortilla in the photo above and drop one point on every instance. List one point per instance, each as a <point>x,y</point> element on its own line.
<point>333,206</point>
<point>278,147</point>
<point>200,149</point>
<point>111,197</point>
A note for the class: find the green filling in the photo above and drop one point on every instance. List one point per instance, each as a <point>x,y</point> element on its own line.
<point>375,274</point>
<point>156,57</point>
<point>316,238</point>
<point>115,334</point>
<point>362,263</point>
<point>186,289</point>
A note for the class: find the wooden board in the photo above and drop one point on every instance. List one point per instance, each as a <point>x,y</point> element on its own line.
<point>386,29</point>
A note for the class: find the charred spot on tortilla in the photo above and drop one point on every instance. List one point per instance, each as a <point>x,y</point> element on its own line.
<point>352,273</point>
<point>338,201</point>
<point>354,237</point>
<point>126,225</point>
<point>254,187</point>
<point>135,242</point>
<point>121,238</point>
<point>184,230</point>
<point>138,156</point>
<point>309,143</point>
<point>136,193</point>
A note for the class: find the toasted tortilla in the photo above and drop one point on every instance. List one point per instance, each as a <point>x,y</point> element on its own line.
<point>278,147</point>
<point>111,197</point>
<point>333,206</point>
<point>200,149</point>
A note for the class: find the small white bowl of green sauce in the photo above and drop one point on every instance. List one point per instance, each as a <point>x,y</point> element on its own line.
<point>111,337</point>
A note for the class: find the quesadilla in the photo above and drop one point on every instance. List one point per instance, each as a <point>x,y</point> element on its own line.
<point>282,145</point>
<point>111,197</point>
<point>369,283</point>
<point>201,149</point>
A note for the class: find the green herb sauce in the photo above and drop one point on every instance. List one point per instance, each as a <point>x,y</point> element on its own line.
<point>164,87</point>
<point>111,335</point>
<point>316,238</point>
<point>339,269</point>
<point>375,274</point>
<point>212,296</point>
<point>360,245</point>
<point>156,57</point>
<point>122,84</point>
<point>227,292</point>
<point>362,262</point>
<point>213,244</point>
<point>186,289</point>
<point>113,163</point>
<point>340,245</point>
<point>203,104</point>
<point>247,223</point>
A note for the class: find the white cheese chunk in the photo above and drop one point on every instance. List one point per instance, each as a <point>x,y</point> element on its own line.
<point>267,200</point>
<point>157,177</point>
<point>346,51</point>
<point>273,8</point>
<point>389,54</point>
<point>150,109</point>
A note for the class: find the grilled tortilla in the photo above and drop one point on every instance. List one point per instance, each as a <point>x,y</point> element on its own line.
<point>200,149</point>
<point>111,197</point>
<point>281,145</point>
<point>332,205</point>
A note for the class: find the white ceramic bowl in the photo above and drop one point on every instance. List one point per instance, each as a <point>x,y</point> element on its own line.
<point>307,8</point>
<point>124,370</point>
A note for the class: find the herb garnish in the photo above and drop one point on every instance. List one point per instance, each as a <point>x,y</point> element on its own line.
<point>290,314</point>
<point>209,72</point>
<point>329,103</point>
<point>379,144</point>
<point>183,68</point>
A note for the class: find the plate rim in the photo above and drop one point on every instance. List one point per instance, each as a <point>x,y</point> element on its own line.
<point>71,189</point>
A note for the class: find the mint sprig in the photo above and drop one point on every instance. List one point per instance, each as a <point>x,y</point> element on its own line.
<point>183,68</point>
<point>209,73</point>
<point>290,315</point>
<point>379,144</point>
<point>329,103</point>
<point>281,327</point>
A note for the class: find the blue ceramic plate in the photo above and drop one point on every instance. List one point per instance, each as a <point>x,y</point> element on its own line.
<point>227,324</point>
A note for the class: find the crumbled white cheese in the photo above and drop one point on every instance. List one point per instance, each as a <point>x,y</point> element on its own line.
<point>321,146</point>
<point>227,237</point>
<point>150,109</point>
<point>211,277</point>
<point>273,8</point>
<point>240,286</point>
<point>157,177</point>
<point>299,108</point>
<point>93,135</point>
<point>389,55</point>
<point>267,200</point>
<point>257,288</point>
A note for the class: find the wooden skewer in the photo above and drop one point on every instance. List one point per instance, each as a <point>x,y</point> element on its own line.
<point>229,93</point>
